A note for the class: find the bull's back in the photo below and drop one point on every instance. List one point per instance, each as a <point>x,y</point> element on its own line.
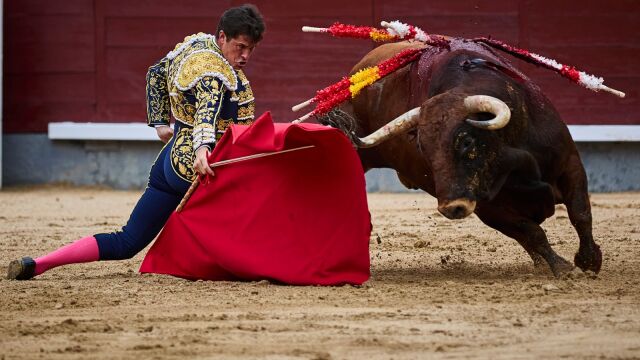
<point>384,52</point>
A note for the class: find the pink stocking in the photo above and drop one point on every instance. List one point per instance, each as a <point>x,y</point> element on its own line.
<point>79,251</point>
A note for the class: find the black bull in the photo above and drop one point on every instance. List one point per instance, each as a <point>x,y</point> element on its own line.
<point>511,178</point>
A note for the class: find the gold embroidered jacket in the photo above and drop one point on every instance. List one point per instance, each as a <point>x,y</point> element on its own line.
<point>197,85</point>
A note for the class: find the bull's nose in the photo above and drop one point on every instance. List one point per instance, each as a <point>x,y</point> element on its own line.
<point>457,209</point>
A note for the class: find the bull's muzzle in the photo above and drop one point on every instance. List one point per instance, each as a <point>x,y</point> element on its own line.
<point>457,209</point>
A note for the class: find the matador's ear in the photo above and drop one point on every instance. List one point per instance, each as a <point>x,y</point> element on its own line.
<point>222,36</point>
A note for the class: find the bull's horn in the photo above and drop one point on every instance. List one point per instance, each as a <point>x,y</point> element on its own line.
<point>488,104</point>
<point>400,124</point>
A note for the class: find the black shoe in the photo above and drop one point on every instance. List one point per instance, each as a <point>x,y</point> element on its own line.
<point>21,269</point>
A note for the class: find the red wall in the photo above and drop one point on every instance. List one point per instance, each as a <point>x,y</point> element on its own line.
<point>85,60</point>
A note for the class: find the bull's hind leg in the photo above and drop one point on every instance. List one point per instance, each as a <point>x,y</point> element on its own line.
<point>528,234</point>
<point>573,186</point>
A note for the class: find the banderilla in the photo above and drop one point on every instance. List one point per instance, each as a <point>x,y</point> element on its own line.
<point>195,182</point>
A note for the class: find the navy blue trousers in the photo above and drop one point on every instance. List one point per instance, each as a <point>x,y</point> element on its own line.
<point>161,197</point>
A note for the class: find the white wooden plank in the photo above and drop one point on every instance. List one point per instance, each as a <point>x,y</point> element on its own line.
<point>140,131</point>
<point>101,131</point>
<point>605,133</point>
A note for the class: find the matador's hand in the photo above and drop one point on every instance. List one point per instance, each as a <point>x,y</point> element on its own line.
<point>201,163</point>
<point>165,133</point>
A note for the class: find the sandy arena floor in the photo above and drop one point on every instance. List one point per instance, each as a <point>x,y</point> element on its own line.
<point>439,289</point>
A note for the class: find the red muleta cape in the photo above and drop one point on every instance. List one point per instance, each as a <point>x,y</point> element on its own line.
<point>298,218</point>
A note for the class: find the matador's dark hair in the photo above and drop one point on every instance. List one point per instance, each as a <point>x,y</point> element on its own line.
<point>242,20</point>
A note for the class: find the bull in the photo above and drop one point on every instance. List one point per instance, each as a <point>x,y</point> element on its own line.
<point>477,134</point>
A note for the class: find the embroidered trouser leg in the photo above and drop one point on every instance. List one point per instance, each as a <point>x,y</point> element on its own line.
<point>161,197</point>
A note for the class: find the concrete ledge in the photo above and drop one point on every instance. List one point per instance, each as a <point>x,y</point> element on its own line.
<point>101,131</point>
<point>36,159</point>
<point>142,132</point>
<point>604,133</point>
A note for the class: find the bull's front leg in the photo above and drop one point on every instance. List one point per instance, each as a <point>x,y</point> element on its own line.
<point>528,234</point>
<point>575,196</point>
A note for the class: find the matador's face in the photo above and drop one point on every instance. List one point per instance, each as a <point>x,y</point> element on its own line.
<point>236,50</point>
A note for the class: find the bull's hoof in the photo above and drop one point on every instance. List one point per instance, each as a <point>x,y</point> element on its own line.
<point>561,268</point>
<point>538,261</point>
<point>589,260</point>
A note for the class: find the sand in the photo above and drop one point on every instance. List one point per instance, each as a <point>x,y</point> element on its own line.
<point>439,289</point>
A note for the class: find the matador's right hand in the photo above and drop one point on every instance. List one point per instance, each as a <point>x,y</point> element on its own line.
<point>201,163</point>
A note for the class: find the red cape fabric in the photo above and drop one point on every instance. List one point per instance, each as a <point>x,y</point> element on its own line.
<point>297,218</point>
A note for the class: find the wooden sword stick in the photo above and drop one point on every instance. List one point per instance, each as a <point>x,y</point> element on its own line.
<point>195,182</point>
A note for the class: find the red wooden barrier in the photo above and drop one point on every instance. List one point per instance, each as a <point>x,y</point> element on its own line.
<point>85,60</point>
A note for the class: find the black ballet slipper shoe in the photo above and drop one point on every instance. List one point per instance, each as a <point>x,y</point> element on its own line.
<point>21,269</point>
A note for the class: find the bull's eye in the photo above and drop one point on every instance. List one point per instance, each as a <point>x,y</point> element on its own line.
<point>466,144</point>
<point>412,134</point>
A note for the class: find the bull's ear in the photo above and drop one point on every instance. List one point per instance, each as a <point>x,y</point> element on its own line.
<point>524,183</point>
<point>514,166</point>
<point>521,163</point>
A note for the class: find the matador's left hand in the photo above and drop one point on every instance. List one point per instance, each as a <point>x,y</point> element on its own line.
<point>164,133</point>
<point>201,163</point>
